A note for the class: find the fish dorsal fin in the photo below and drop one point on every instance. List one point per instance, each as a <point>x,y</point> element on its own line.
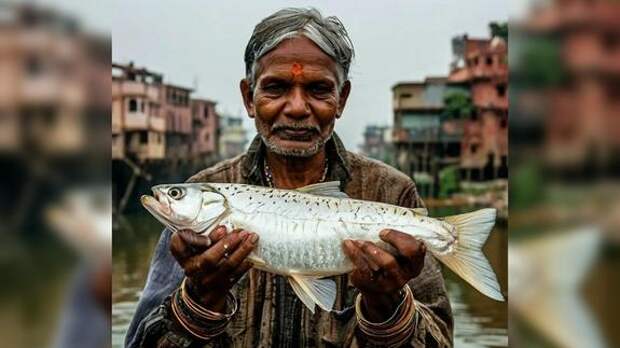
<point>330,188</point>
<point>312,290</point>
<point>420,211</point>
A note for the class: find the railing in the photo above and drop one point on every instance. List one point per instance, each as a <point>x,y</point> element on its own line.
<point>136,120</point>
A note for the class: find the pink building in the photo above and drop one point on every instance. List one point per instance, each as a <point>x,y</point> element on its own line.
<point>205,128</point>
<point>482,63</point>
<point>176,108</point>
<point>138,126</point>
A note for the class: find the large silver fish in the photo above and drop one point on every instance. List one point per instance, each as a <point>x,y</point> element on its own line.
<point>301,231</point>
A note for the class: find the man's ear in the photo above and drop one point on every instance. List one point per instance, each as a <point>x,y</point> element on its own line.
<point>248,97</point>
<point>344,95</point>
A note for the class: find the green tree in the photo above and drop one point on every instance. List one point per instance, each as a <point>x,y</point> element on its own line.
<point>457,105</point>
<point>448,181</point>
<point>499,29</point>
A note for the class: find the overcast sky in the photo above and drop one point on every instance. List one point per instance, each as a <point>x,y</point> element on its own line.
<point>201,43</point>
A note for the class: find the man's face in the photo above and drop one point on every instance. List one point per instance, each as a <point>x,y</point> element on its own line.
<point>296,98</point>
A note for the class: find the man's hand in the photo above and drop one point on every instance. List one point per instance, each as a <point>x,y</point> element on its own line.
<point>379,275</point>
<point>212,268</point>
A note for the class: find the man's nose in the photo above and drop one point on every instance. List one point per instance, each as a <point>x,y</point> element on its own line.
<point>296,104</point>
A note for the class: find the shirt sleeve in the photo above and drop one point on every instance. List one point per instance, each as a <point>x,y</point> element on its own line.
<point>164,277</point>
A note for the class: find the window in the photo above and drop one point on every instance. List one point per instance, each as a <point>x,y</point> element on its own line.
<point>474,115</point>
<point>144,137</point>
<point>142,106</point>
<point>503,122</point>
<point>473,148</point>
<point>34,66</point>
<point>206,112</point>
<point>475,60</point>
<point>133,105</point>
<point>501,90</point>
<point>489,60</point>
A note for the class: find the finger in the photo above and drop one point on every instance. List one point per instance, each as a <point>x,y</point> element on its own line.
<point>208,260</point>
<point>406,245</point>
<point>218,233</point>
<point>372,264</point>
<point>239,272</point>
<point>227,245</point>
<point>355,255</point>
<point>377,257</point>
<point>239,255</point>
<point>180,249</point>
<point>196,242</point>
<point>385,260</point>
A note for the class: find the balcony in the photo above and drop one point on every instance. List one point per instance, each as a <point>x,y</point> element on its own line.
<point>117,150</point>
<point>157,123</point>
<point>136,120</point>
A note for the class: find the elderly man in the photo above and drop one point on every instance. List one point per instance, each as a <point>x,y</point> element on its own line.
<point>295,88</point>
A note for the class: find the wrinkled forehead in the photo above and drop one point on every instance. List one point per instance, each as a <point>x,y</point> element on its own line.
<point>297,56</point>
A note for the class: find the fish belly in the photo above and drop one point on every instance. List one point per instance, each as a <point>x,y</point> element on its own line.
<point>307,246</point>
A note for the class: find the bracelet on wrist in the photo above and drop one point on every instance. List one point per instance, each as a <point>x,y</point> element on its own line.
<point>395,330</point>
<point>199,321</point>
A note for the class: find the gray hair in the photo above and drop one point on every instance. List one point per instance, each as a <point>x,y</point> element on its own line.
<point>326,32</point>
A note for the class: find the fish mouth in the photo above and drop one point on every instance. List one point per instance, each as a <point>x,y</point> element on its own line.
<point>159,208</point>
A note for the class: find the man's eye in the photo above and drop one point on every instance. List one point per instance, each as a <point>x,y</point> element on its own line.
<point>274,88</point>
<point>320,89</point>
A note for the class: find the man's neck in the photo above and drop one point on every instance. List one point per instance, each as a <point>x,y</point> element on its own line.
<point>294,172</point>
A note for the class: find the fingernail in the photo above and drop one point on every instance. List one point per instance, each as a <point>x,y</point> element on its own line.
<point>348,243</point>
<point>384,233</point>
<point>243,235</point>
<point>219,232</point>
<point>183,234</point>
<point>254,238</point>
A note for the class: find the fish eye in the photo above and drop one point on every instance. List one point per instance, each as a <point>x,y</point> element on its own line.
<point>176,193</point>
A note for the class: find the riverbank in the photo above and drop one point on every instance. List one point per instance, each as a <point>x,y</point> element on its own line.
<point>492,194</point>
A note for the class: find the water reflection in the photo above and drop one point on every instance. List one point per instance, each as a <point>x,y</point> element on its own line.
<point>479,321</point>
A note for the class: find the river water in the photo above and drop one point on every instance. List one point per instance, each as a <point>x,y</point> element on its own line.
<point>479,321</point>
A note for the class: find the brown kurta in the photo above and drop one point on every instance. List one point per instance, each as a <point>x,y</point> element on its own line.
<point>270,314</point>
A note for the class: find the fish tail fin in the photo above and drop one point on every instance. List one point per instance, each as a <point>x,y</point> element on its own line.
<point>467,260</point>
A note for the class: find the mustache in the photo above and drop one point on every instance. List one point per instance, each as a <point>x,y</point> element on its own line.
<point>283,127</point>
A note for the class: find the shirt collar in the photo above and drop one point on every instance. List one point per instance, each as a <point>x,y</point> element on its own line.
<point>339,169</point>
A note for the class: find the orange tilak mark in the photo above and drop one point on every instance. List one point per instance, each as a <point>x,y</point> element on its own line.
<point>297,69</point>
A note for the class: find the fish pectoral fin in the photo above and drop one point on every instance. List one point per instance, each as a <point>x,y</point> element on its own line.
<point>420,211</point>
<point>312,290</point>
<point>330,188</point>
<point>257,261</point>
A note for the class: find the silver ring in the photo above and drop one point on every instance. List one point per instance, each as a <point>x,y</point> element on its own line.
<point>226,255</point>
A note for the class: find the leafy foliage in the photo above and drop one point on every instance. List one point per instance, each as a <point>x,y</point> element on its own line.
<point>457,105</point>
<point>499,29</point>
<point>448,181</point>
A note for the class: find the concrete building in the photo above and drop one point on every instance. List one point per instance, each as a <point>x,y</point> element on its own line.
<point>482,65</point>
<point>49,89</point>
<point>138,125</point>
<point>233,136</point>
<point>176,108</point>
<point>580,124</point>
<point>205,128</point>
<point>378,143</point>
<point>425,139</point>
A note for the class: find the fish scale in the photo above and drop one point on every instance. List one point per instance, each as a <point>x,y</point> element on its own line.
<point>301,231</point>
